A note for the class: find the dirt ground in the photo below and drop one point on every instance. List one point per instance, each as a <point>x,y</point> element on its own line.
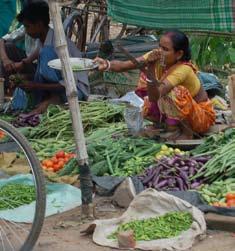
<point>62,232</point>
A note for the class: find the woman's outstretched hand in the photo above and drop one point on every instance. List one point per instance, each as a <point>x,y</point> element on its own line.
<point>102,63</point>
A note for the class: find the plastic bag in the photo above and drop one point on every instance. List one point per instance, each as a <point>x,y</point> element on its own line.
<point>151,203</point>
<point>133,113</point>
<point>133,118</point>
<point>20,100</point>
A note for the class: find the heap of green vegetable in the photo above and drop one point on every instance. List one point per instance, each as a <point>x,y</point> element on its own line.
<point>57,123</point>
<point>167,226</point>
<point>214,142</point>
<point>13,195</point>
<point>120,155</point>
<point>46,148</point>
<point>221,166</point>
<point>217,191</point>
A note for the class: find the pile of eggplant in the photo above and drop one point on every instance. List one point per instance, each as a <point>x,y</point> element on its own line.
<point>27,120</point>
<point>175,173</point>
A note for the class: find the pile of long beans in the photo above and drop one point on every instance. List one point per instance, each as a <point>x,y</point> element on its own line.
<point>13,195</point>
<point>46,148</point>
<point>221,166</point>
<point>57,123</point>
<point>214,142</point>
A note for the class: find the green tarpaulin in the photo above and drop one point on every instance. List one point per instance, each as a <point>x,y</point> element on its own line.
<point>211,15</point>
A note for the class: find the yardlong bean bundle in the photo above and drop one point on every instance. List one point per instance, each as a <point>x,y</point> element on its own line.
<point>57,123</point>
<point>13,195</point>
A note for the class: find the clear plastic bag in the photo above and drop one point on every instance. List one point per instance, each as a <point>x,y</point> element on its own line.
<point>133,118</point>
<point>133,112</point>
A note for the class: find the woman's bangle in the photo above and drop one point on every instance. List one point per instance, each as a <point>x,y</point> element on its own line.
<point>150,82</point>
<point>108,65</point>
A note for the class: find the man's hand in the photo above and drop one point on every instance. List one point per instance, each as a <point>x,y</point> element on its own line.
<point>18,66</point>
<point>28,86</point>
<point>8,65</point>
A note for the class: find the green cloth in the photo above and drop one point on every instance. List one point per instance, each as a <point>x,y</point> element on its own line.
<point>7,14</point>
<point>211,15</point>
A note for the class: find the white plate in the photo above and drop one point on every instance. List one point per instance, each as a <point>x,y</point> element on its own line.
<point>77,64</point>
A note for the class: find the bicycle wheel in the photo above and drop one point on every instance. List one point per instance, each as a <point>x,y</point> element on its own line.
<point>15,234</point>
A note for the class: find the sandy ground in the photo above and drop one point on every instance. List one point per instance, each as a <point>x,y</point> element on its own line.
<point>62,232</point>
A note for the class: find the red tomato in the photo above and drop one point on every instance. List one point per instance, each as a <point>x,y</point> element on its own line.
<point>60,154</point>
<point>230,196</point>
<point>54,160</point>
<point>61,164</point>
<point>48,163</point>
<point>66,159</point>
<point>231,203</point>
<point>56,167</point>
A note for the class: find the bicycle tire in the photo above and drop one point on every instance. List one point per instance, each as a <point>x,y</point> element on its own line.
<point>39,181</point>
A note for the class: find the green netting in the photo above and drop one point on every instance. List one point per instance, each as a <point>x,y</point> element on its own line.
<point>216,15</point>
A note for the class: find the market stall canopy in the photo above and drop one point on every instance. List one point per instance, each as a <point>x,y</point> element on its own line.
<point>201,15</point>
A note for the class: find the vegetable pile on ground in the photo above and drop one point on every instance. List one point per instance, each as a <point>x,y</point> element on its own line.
<point>220,193</point>
<point>57,162</point>
<point>168,152</point>
<point>120,155</point>
<point>46,148</point>
<point>166,226</point>
<point>26,120</point>
<point>174,173</point>
<point>14,195</point>
<point>221,166</point>
<point>57,123</point>
<point>214,142</point>
<point>2,134</point>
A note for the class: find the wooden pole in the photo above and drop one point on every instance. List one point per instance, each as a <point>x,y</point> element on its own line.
<point>231,92</point>
<point>71,92</point>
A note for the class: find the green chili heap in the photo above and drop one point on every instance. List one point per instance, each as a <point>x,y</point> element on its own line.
<point>166,226</point>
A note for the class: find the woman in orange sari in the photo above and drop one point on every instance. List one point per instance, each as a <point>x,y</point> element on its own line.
<point>170,87</point>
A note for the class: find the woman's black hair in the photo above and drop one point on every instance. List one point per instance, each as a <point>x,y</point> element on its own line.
<point>35,12</point>
<point>180,42</point>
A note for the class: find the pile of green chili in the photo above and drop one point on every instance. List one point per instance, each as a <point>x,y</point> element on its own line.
<point>166,226</point>
<point>13,195</point>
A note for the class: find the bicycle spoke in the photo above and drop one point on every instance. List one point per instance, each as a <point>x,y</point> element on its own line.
<point>6,238</point>
<point>13,231</point>
<point>3,246</point>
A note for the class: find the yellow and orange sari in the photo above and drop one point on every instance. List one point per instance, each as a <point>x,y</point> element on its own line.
<point>177,105</point>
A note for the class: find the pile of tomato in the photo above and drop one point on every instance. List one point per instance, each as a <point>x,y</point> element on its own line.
<point>57,162</point>
<point>229,201</point>
<point>2,134</point>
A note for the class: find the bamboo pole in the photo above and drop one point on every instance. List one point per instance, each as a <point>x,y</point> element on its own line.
<point>71,92</point>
